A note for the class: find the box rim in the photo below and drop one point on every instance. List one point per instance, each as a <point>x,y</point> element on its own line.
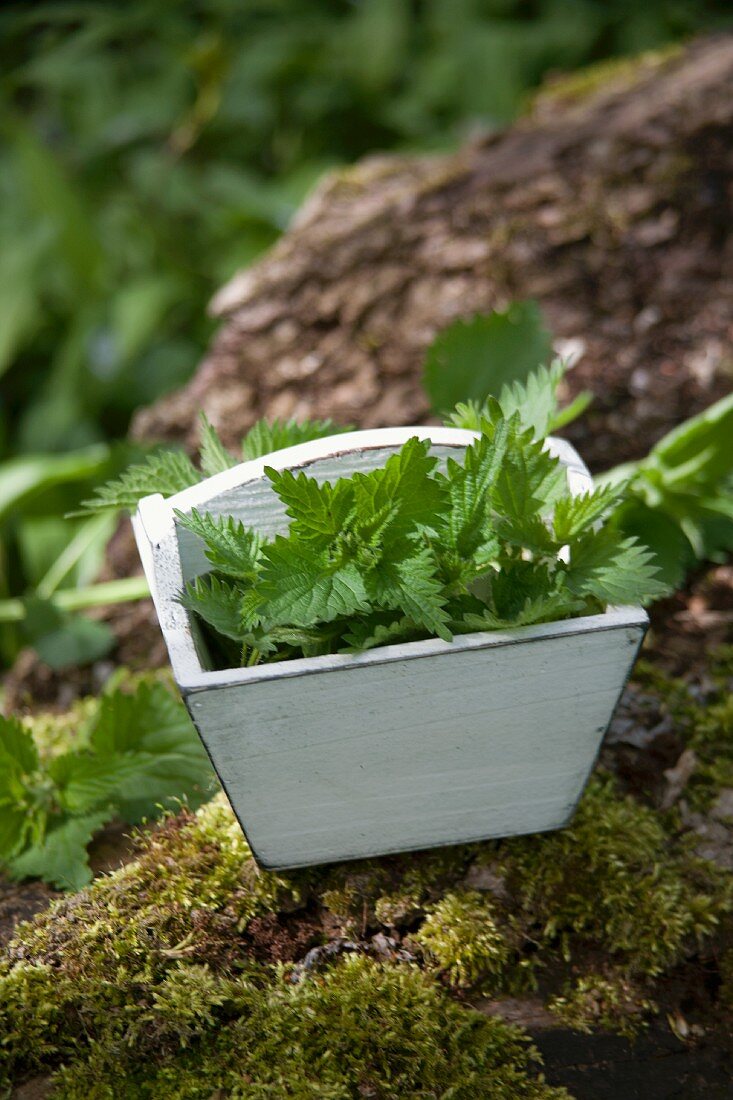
<point>613,619</point>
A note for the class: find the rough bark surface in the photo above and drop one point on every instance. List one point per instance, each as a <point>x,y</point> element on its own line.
<point>610,204</point>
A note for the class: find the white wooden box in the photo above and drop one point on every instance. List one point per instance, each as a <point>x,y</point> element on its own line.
<point>404,747</point>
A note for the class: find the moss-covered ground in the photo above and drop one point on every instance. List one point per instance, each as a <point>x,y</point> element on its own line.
<point>189,972</point>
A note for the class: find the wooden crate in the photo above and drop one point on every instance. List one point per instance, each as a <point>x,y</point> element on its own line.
<point>403,747</point>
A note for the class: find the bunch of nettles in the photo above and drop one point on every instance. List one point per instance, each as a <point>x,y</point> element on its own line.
<point>413,551</point>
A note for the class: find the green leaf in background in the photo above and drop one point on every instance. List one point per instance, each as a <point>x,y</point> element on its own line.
<point>214,456</point>
<point>264,437</point>
<point>166,472</point>
<point>18,762</point>
<point>27,476</point>
<point>63,640</point>
<point>471,360</point>
<point>137,751</point>
<point>700,450</point>
<point>154,727</point>
<point>673,554</point>
<point>61,857</point>
<point>682,492</point>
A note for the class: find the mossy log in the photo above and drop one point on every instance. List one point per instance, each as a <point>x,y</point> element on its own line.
<point>609,203</point>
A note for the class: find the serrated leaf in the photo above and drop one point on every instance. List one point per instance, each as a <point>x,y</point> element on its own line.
<point>302,587</point>
<point>230,547</point>
<point>166,472</point>
<point>61,858</point>
<point>13,828</point>
<point>472,359</point>
<point>613,569</point>
<point>153,751</point>
<point>529,479</point>
<point>411,586</point>
<point>534,399</point>
<point>149,717</point>
<point>218,602</point>
<point>213,455</point>
<point>468,488</point>
<point>672,553</point>
<point>20,810</point>
<point>263,438</point>
<point>531,534</point>
<point>548,608</point>
<point>18,752</point>
<point>523,592</point>
<point>575,514</point>
<point>402,493</point>
<point>374,631</point>
<point>319,512</point>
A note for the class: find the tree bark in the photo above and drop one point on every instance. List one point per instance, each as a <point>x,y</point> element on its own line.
<point>609,203</point>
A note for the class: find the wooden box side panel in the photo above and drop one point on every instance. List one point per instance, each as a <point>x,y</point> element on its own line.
<point>410,754</point>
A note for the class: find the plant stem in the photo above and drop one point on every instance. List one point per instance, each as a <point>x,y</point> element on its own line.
<point>77,599</point>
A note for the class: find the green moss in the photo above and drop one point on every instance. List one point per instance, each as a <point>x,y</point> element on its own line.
<point>148,984</point>
<point>616,74</point>
<point>360,1029</point>
<point>611,1003</point>
<point>461,935</point>
<point>92,956</point>
<point>707,725</point>
<point>615,879</point>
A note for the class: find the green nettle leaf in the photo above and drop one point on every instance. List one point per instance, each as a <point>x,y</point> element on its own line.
<point>214,456</point>
<point>302,588</point>
<point>18,764</point>
<point>319,512</point>
<point>140,752</point>
<point>469,485</point>
<point>534,400</point>
<point>61,857</point>
<point>613,569</point>
<point>402,498</point>
<point>379,629</point>
<point>218,602</point>
<point>412,587</point>
<point>18,753</point>
<point>471,359</point>
<point>529,477</point>
<point>230,548</point>
<point>166,472</point>
<point>574,515</point>
<point>263,438</point>
<point>673,553</point>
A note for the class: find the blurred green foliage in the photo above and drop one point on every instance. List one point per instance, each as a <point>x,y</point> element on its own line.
<point>149,149</point>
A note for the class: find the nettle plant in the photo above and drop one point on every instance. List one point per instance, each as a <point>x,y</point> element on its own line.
<point>410,550</point>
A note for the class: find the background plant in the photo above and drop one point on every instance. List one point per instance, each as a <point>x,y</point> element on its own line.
<point>129,755</point>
